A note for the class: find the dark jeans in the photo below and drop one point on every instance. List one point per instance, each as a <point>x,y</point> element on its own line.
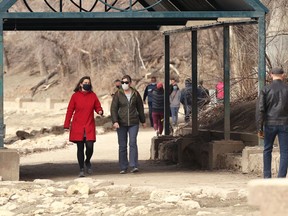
<point>158,119</point>
<point>123,133</point>
<point>150,114</point>
<point>80,152</point>
<point>188,112</point>
<point>270,132</point>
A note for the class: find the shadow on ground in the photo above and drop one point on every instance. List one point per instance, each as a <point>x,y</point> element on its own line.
<point>57,171</point>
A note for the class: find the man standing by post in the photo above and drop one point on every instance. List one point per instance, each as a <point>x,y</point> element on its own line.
<point>148,93</point>
<point>273,116</point>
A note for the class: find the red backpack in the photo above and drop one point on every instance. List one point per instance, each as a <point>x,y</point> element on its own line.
<point>220,90</point>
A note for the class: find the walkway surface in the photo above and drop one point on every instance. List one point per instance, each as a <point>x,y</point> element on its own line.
<point>160,184</point>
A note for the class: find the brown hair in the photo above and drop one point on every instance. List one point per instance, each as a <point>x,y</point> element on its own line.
<point>78,87</point>
<point>127,77</point>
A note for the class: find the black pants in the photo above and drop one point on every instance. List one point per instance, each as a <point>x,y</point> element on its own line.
<point>80,152</point>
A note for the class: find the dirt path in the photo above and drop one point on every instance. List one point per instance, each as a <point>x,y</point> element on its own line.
<point>158,189</point>
<point>62,165</point>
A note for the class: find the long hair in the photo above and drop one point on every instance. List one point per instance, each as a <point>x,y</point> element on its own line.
<point>78,87</point>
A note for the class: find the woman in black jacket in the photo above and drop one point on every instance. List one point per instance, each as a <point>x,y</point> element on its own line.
<point>158,108</point>
<point>127,112</point>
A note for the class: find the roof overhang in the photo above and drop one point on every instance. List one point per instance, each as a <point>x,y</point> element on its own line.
<point>166,13</point>
<point>110,21</point>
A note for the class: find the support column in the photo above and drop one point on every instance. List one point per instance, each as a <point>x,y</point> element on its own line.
<point>166,85</point>
<point>226,50</point>
<point>261,52</point>
<point>194,83</point>
<point>2,126</point>
<point>261,58</point>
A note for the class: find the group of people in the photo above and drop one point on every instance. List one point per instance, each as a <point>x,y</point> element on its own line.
<point>154,92</point>
<point>127,112</point>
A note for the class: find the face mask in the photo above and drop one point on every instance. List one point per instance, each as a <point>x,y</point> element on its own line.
<point>125,86</point>
<point>175,87</point>
<point>153,83</point>
<point>118,87</point>
<point>87,87</point>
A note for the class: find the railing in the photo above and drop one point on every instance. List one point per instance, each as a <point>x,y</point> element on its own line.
<point>131,5</point>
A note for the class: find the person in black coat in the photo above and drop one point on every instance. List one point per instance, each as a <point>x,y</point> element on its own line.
<point>158,108</point>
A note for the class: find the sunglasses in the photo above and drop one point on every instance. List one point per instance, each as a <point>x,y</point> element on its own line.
<point>124,82</point>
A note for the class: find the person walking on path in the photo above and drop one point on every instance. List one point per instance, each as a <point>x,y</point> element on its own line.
<point>117,86</point>
<point>127,111</point>
<point>186,99</point>
<point>204,97</point>
<point>158,108</point>
<point>175,97</point>
<point>148,93</point>
<point>81,107</point>
<point>273,116</point>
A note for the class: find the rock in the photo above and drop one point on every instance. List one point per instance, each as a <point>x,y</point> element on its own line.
<point>39,211</point>
<point>189,205</point>
<point>101,194</point>
<point>10,140</point>
<point>200,213</point>
<point>6,213</point>
<point>57,130</point>
<point>168,151</point>
<point>139,210</point>
<point>172,199</point>
<point>80,188</point>
<point>23,134</point>
<point>3,201</point>
<point>167,206</point>
<point>43,181</point>
<point>59,206</point>
<point>142,189</point>
<point>44,130</point>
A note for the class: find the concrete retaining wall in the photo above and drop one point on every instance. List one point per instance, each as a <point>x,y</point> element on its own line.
<point>28,103</point>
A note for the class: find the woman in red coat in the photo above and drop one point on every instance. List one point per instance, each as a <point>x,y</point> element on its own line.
<point>82,128</point>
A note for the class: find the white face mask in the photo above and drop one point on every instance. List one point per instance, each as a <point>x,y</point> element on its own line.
<point>125,86</point>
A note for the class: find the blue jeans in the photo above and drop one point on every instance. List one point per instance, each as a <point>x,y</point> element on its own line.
<point>174,114</point>
<point>270,132</point>
<point>123,133</point>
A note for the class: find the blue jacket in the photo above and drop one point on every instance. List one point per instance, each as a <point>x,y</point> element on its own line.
<point>148,92</point>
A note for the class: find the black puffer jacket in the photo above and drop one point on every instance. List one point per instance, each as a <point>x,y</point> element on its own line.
<point>125,112</point>
<point>158,100</point>
<point>273,104</point>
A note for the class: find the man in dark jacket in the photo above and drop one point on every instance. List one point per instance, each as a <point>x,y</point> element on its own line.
<point>203,98</point>
<point>148,93</point>
<point>186,99</point>
<point>273,116</point>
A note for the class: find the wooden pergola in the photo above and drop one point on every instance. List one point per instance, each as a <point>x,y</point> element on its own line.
<point>105,15</point>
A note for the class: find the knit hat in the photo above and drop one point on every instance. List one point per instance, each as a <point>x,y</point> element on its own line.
<point>277,70</point>
<point>159,85</point>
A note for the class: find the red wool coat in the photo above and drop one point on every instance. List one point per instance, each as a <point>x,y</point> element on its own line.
<point>81,107</point>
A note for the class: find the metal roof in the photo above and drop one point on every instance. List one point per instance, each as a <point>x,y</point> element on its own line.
<point>153,15</point>
<point>203,5</point>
